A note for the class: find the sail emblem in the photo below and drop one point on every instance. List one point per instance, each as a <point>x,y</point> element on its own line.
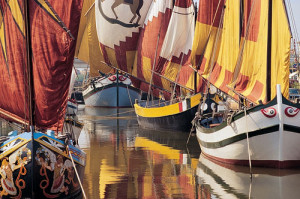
<point>135,7</point>
<point>291,112</point>
<point>269,112</point>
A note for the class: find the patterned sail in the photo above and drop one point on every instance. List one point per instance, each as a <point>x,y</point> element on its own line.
<point>239,58</point>
<point>222,72</point>
<point>281,45</point>
<point>206,43</point>
<point>53,28</point>
<point>165,45</point>
<point>118,23</point>
<point>87,47</point>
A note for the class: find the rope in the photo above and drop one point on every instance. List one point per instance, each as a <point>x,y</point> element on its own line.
<point>129,96</point>
<point>248,144</point>
<point>84,196</point>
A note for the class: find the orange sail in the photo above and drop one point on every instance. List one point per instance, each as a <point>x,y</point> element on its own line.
<point>53,27</point>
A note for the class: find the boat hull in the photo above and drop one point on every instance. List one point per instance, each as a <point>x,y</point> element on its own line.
<point>112,95</point>
<point>114,91</point>
<point>273,131</point>
<point>175,117</point>
<point>47,173</point>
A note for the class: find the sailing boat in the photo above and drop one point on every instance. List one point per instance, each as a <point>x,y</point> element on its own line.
<point>105,87</point>
<point>252,56</point>
<point>37,54</point>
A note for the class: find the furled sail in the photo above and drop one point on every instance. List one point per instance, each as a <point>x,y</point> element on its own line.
<point>164,46</point>
<point>53,27</point>
<point>118,24</point>
<point>87,47</point>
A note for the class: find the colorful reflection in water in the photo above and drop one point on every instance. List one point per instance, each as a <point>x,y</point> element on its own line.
<point>125,161</point>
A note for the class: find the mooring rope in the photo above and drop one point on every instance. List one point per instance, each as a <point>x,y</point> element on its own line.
<point>76,172</point>
<point>247,133</point>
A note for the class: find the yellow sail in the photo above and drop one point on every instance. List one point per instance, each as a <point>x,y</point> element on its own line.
<point>205,45</point>
<point>222,72</point>
<point>280,57</point>
<point>87,47</point>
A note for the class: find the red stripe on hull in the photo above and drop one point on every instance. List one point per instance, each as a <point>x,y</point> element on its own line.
<point>257,163</point>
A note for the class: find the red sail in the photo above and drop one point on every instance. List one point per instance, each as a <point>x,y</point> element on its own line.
<point>53,27</point>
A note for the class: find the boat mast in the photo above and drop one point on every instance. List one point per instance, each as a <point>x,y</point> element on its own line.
<point>29,66</point>
<point>269,51</point>
<point>31,103</point>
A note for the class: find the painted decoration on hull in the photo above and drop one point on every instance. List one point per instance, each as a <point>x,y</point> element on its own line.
<point>54,172</point>
<point>117,24</point>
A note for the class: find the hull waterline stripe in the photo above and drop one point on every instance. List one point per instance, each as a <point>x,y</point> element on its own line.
<point>240,137</point>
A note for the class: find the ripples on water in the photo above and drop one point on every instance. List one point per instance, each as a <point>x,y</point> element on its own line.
<point>125,161</point>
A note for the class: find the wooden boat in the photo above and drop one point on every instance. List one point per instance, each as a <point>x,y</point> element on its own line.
<point>38,161</point>
<point>163,115</point>
<point>106,87</point>
<point>114,90</point>
<point>218,180</point>
<point>159,50</point>
<point>263,131</point>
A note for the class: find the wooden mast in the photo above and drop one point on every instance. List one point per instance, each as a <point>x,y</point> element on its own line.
<point>269,51</point>
<point>31,104</point>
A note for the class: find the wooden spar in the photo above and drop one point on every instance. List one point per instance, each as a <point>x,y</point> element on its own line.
<point>134,76</point>
<point>150,85</point>
<point>14,117</point>
<point>31,91</point>
<point>170,80</point>
<point>29,66</point>
<point>177,76</point>
<point>87,12</point>
<point>269,52</point>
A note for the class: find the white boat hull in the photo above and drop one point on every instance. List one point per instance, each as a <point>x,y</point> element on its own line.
<point>274,137</point>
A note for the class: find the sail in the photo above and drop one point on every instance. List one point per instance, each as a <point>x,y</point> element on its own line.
<point>222,72</point>
<point>150,43</point>
<point>164,46</point>
<point>118,27</point>
<point>281,45</point>
<point>53,27</point>
<point>206,43</point>
<point>241,50</point>
<point>87,47</point>
<point>13,74</point>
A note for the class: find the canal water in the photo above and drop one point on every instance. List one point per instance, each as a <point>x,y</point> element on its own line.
<point>126,161</point>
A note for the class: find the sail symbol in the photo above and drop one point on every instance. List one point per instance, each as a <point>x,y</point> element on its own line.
<point>135,7</point>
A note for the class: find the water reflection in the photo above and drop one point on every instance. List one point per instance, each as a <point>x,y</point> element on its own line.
<point>224,181</point>
<point>124,161</point>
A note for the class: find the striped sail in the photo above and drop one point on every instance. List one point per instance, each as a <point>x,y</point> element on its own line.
<point>164,46</point>
<point>87,47</point>
<point>206,45</point>
<point>118,25</point>
<point>53,27</point>
<point>239,57</point>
